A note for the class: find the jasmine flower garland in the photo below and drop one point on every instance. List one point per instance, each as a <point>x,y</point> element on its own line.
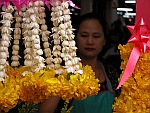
<point>5,40</point>
<point>17,36</point>
<point>26,37</point>
<point>45,35</point>
<point>56,19</point>
<point>33,59</point>
<point>63,33</point>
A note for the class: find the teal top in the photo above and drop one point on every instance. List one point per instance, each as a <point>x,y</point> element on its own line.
<point>100,103</point>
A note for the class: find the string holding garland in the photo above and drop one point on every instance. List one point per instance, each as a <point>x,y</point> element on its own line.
<point>40,77</point>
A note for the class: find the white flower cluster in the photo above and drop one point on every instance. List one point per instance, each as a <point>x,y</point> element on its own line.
<point>63,34</point>
<point>56,36</point>
<point>45,35</point>
<point>31,33</point>
<point>17,36</point>
<point>5,40</point>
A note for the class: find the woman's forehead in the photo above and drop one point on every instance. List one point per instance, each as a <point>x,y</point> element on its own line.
<point>90,25</point>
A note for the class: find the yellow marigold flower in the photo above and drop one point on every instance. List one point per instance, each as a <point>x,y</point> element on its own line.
<point>34,87</point>
<point>16,72</point>
<point>135,96</point>
<point>79,86</point>
<point>8,94</point>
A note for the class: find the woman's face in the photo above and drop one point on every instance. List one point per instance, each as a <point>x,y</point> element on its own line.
<point>90,38</point>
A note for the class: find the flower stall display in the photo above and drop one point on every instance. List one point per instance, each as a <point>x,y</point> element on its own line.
<point>45,72</point>
<point>135,80</point>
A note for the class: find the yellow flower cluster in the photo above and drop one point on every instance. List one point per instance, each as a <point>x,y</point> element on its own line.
<point>33,87</point>
<point>8,94</point>
<point>42,85</point>
<point>36,87</point>
<point>135,95</point>
<point>79,86</point>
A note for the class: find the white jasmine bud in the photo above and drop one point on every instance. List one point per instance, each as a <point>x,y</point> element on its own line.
<point>3,49</point>
<point>56,53</point>
<point>49,60</point>
<point>5,43</point>
<point>46,45</point>
<point>36,46</point>
<point>48,55</point>
<point>15,57</point>
<point>17,37</point>
<point>15,63</point>
<point>2,61</point>
<point>17,25</point>
<point>36,41</point>
<point>56,42</point>
<point>44,27</point>
<point>27,50</point>
<point>2,75</point>
<point>35,31</point>
<point>15,47</point>
<point>57,60</point>
<point>62,32</point>
<point>16,42</point>
<point>65,43</point>
<point>2,67</point>
<point>28,44</point>
<point>28,56</point>
<point>47,51</point>
<point>3,55</point>
<point>18,19</point>
<point>28,63</point>
<point>33,18</point>
<point>39,52</point>
<point>14,52</point>
<point>45,39</point>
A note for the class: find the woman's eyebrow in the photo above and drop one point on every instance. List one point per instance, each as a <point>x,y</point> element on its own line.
<point>96,33</point>
<point>83,32</point>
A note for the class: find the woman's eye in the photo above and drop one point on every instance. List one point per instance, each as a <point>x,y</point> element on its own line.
<point>97,36</point>
<point>83,35</point>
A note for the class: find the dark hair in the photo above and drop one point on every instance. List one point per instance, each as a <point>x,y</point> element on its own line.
<point>89,16</point>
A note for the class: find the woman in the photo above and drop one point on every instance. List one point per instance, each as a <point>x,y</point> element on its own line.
<point>90,39</point>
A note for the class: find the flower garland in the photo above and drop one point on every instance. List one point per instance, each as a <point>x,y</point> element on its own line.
<point>45,35</point>
<point>41,77</point>
<point>135,96</point>
<point>63,33</point>
<point>17,36</point>
<point>5,40</point>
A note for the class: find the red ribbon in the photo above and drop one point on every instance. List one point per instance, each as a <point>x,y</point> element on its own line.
<point>141,40</point>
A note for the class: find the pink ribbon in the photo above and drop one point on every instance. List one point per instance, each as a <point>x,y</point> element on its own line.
<point>18,3</point>
<point>72,4</point>
<point>141,40</point>
<point>5,3</point>
<point>47,3</point>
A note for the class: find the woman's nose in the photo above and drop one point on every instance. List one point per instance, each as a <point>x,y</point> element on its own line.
<point>90,40</point>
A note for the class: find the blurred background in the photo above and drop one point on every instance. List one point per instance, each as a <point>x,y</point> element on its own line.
<point>117,14</point>
<point>111,10</point>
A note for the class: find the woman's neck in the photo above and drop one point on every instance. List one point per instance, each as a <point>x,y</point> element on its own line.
<point>90,62</point>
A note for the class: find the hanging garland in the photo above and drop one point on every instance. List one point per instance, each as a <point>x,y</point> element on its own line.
<point>40,77</point>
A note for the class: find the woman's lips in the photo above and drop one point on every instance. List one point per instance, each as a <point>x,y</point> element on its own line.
<point>90,49</point>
